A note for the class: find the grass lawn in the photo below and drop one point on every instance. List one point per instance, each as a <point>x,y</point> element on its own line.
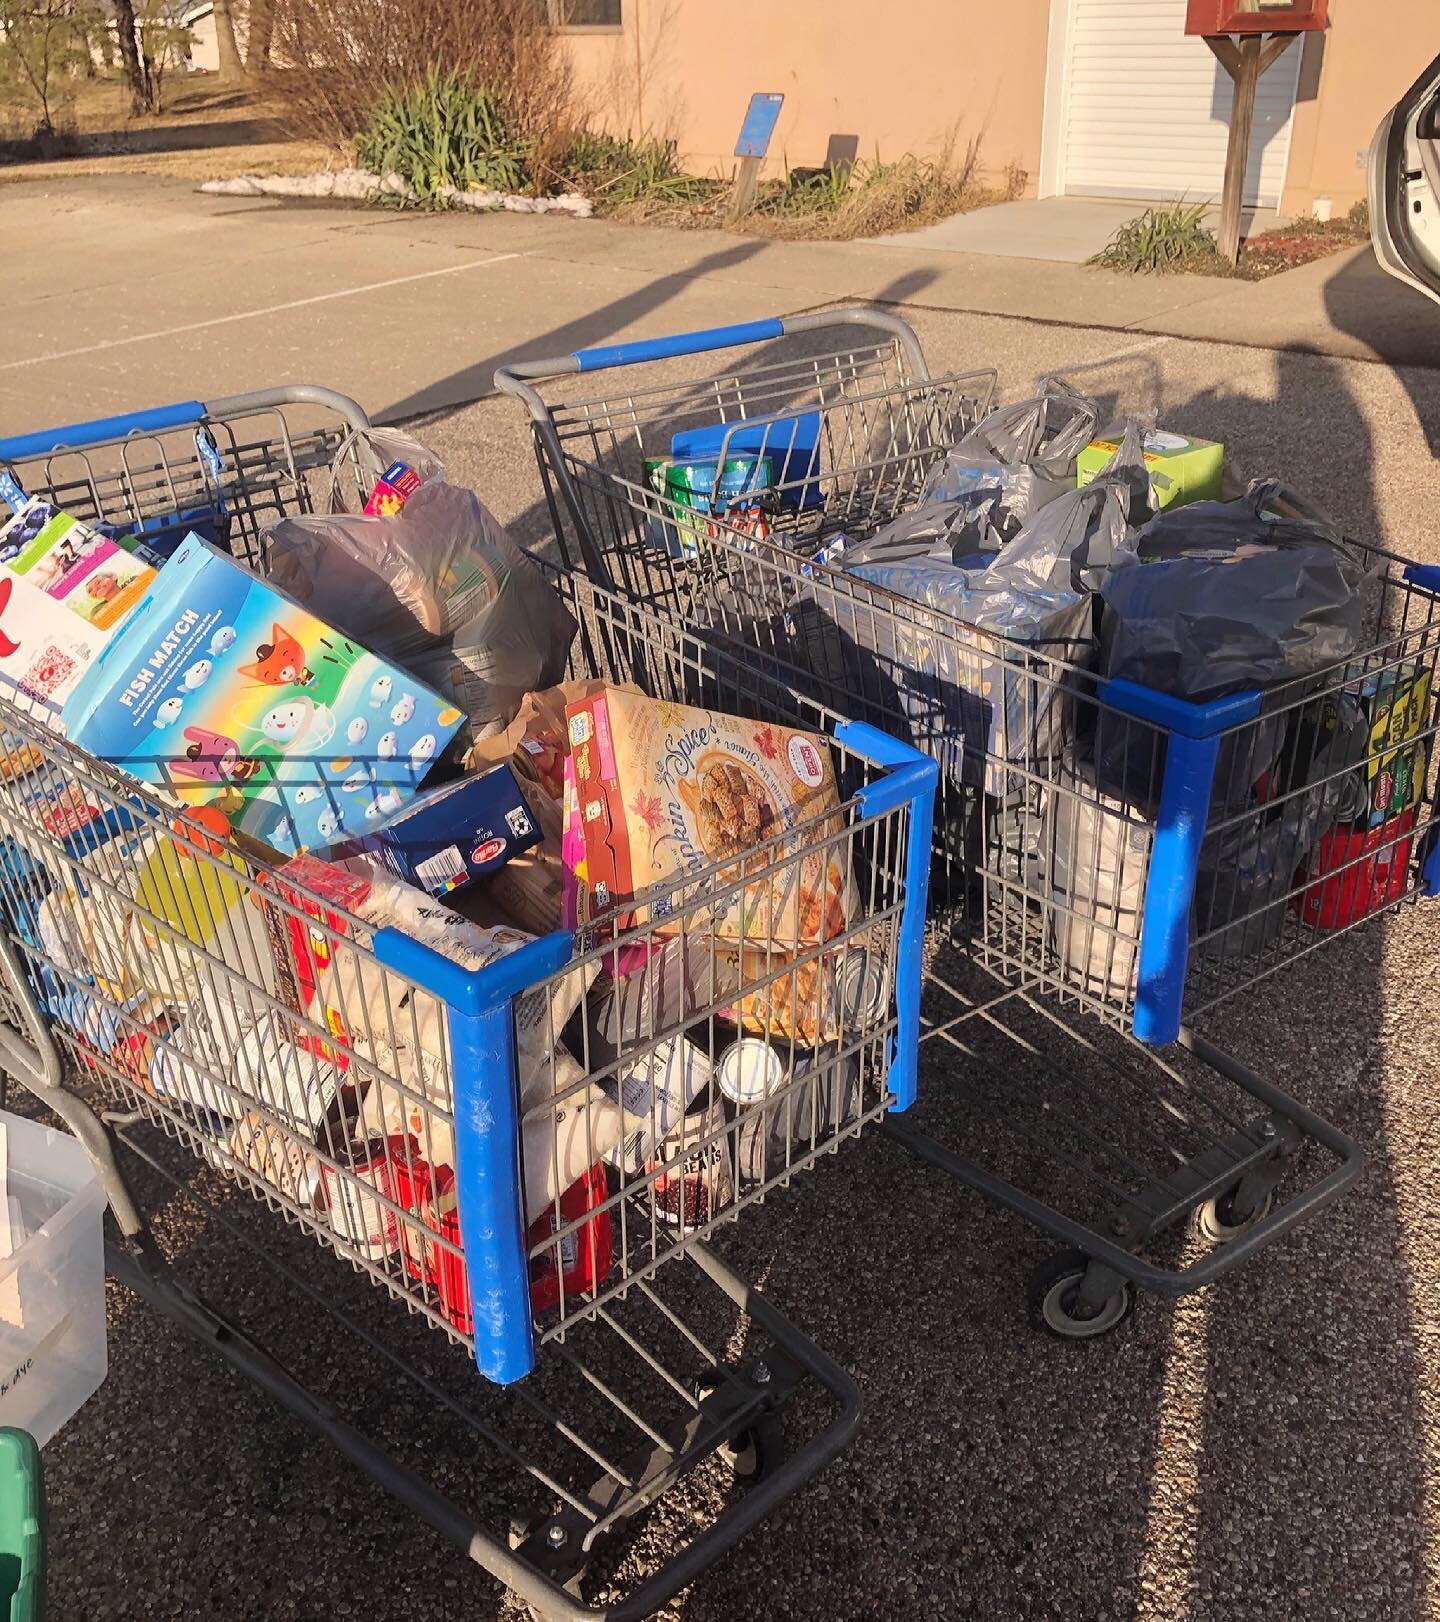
<point>206,131</point>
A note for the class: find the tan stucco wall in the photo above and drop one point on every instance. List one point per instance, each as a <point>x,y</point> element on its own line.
<point>1368,57</point>
<point>897,75</point>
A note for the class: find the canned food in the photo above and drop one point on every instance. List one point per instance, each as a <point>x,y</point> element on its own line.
<point>367,1225</point>
<point>861,988</point>
<point>824,1093</point>
<point>692,1182</point>
<point>750,1070</point>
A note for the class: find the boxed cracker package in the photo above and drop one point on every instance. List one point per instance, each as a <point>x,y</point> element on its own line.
<point>450,836</point>
<point>235,698</point>
<point>1396,703</point>
<point>665,789</point>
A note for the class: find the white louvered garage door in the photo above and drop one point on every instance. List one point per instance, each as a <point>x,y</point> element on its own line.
<point>1146,108</point>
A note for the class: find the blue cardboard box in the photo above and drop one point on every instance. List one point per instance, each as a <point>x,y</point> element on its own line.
<point>448,837</point>
<point>791,443</point>
<point>240,701</point>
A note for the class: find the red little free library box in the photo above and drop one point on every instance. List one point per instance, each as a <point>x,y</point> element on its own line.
<point>1254,16</point>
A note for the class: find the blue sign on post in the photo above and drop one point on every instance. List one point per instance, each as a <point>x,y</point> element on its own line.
<point>761,117</point>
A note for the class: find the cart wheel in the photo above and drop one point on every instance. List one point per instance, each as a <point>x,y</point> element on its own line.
<point>1217,1223</point>
<point>1055,1305</point>
<point>753,1453</point>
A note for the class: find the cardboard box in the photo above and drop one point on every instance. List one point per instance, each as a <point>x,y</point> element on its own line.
<point>1181,469</point>
<point>392,490</point>
<point>65,592</point>
<point>665,789</point>
<point>235,698</point>
<point>790,444</point>
<point>451,836</point>
<point>1396,703</point>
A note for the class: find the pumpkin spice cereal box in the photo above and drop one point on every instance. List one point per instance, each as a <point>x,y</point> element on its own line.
<point>665,789</point>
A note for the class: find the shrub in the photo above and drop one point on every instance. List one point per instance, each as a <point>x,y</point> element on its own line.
<point>1164,239</point>
<point>615,170</point>
<point>868,198</point>
<point>353,56</point>
<point>444,132</point>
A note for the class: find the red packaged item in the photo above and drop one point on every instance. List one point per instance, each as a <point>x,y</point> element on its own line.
<point>430,1194</point>
<point>303,955</point>
<point>584,1253</point>
<point>1351,893</point>
<point>392,490</point>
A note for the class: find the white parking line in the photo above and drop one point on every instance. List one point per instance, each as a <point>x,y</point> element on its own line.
<point>249,315</point>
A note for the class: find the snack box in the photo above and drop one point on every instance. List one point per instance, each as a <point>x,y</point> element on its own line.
<point>449,837</point>
<point>392,490</point>
<point>65,591</point>
<point>238,700</point>
<point>1396,702</point>
<point>666,789</point>
<point>1181,469</point>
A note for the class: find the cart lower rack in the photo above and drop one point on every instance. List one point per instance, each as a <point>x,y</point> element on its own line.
<point>1097,847</point>
<point>451,1133</point>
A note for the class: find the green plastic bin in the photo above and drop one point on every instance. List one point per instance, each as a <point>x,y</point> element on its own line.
<point>22,1528</point>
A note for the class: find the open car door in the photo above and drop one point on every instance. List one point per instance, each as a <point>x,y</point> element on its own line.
<point>1404,185</point>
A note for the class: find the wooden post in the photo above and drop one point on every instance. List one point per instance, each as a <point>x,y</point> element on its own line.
<point>1244,61</point>
<point>747,183</point>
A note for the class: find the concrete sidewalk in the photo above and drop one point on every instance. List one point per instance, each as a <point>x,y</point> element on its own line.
<point>1068,229</point>
<point>413,312</point>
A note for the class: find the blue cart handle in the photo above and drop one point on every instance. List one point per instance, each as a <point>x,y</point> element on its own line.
<point>513,379</point>
<point>100,431</point>
<point>678,343</point>
<point>79,436</point>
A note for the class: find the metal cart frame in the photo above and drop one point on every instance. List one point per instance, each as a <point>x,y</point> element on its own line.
<point>851,431</point>
<point>238,463</point>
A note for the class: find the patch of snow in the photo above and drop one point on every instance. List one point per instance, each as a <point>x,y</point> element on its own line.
<point>359,185</point>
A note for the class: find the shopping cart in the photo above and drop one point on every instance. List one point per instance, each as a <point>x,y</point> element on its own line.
<point>207,1022</point>
<point>1137,896</point>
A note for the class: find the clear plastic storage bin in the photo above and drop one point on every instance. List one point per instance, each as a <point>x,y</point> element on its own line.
<point>52,1278</point>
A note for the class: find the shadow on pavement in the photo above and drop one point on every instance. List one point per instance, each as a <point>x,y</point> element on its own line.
<point>1308,1389</point>
<point>178,137</point>
<point>1399,324</point>
<point>472,382</point>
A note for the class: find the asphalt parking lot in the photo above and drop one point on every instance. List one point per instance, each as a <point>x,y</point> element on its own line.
<point>1270,1447</point>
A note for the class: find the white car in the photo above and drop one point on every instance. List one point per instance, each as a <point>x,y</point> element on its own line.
<point>1404,186</point>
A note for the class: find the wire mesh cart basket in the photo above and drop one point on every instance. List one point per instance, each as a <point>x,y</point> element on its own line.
<point>1109,863</point>
<point>485,1140</point>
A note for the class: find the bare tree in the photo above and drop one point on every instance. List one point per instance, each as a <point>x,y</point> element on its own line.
<point>231,68</point>
<point>262,36</point>
<point>136,74</point>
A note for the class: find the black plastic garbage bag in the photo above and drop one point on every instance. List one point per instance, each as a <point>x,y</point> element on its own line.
<point>1227,596</point>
